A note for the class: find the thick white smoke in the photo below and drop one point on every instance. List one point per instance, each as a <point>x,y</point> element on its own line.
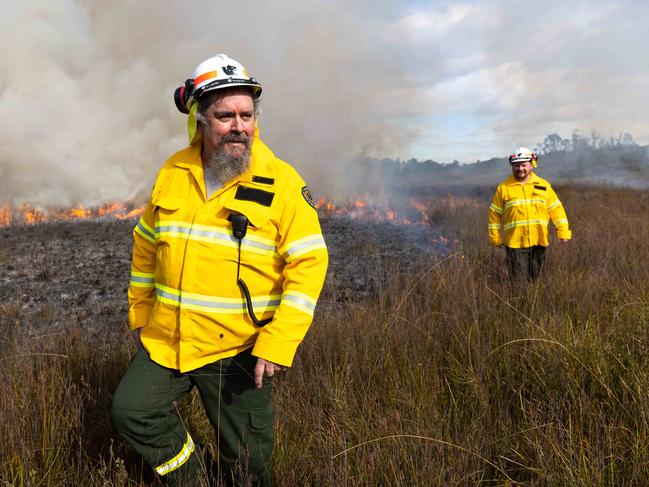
<point>86,108</point>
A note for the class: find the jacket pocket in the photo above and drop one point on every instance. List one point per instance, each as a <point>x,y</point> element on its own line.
<point>257,215</point>
<point>168,208</point>
<point>168,203</point>
<point>161,326</point>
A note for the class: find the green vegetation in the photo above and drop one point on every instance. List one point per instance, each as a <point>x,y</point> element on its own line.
<point>447,377</point>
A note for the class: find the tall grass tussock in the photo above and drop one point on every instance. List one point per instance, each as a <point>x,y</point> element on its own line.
<point>446,376</point>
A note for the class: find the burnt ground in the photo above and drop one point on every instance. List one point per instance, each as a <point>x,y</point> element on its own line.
<point>55,274</point>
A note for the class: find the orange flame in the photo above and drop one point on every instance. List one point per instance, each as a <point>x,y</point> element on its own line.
<point>5,216</point>
<point>366,207</point>
<point>359,204</point>
<point>406,212</point>
<point>29,215</point>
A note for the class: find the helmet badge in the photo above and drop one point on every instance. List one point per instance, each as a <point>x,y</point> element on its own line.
<point>229,70</point>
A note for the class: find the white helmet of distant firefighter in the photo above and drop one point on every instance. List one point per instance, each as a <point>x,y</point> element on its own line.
<point>523,154</point>
<point>218,72</point>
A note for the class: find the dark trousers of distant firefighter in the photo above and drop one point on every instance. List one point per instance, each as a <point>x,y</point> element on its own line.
<point>145,412</point>
<point>526,263</point>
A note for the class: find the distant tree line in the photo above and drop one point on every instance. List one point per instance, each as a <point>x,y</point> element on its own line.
<point>552,144</point>
<point>578,142</point>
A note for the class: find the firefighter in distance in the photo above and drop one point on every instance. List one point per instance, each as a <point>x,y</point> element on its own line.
<point>519,214</point>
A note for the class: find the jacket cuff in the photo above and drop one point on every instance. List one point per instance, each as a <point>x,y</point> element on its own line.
<point>277,351</point>
<point>138,317</point>
<point>564,234</point>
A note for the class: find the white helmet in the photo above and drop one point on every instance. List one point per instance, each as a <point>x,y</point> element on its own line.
<point>214,73</point>
<point>523,154</point>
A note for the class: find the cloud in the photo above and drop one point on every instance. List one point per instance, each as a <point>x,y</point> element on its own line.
<point>527,70</point>
<point>421,27</point>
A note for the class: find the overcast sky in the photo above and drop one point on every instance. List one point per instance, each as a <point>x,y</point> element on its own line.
<point>86,86</point>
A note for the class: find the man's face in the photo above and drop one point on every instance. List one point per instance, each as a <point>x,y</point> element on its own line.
<point>521,170</point>
<point>230,123</point>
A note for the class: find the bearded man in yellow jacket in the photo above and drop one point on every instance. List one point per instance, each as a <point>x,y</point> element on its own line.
<point>228,262</point>
<point>522,208</point>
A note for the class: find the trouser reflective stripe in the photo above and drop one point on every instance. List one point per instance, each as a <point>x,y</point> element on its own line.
<point>178,460</point>
<point>241,414</point>
<point>144,413</point>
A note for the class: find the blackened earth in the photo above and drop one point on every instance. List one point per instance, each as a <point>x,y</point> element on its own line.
<point>76,273</point>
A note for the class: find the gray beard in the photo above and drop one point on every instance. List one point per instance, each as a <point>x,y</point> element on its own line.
<point>221,168</point>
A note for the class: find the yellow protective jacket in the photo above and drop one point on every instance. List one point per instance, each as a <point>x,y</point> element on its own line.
<point>523,211</point>
<point>183,292</point>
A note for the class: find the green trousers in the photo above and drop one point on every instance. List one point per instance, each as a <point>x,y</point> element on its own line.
<point>524,263</point>
<point>144,411</point>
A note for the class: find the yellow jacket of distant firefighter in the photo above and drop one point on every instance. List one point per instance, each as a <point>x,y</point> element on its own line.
<point>183,292</point>
<point>523,212</point>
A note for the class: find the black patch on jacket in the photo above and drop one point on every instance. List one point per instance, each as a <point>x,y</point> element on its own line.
<point>263,180</point>
<point>244,193</point>
<point>536,186</point>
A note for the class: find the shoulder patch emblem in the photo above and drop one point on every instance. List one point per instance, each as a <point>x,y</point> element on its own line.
<point>307,196</point>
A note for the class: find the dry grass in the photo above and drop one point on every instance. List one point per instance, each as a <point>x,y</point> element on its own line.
<point>446,378</point>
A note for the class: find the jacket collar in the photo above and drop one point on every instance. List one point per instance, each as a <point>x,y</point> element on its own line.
<point>511,180</point>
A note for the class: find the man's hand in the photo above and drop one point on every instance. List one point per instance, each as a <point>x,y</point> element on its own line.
<point>563,240</point>
<point>265,368</point>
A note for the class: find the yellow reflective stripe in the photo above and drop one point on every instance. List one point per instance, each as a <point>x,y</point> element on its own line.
<point>143,274</point>
<point>525,222</point>
<point>299,301</point>
<point>142,279</point>
<point>178,460</point>
<point>215,304</point>
<point>554,205</point>
<point>303,246</point>
<point>167,295</point>
<point>562,221</point>
<point>495,226</point>
<point>145,230</point>
<point>495,208</point>
<point>215,235</point>
<point>509,204</point>
<point>145,226</point>
<point>142,284</point>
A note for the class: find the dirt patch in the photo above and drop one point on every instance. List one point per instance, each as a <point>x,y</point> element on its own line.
<point>76,273</point>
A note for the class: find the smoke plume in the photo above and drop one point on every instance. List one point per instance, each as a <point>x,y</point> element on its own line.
<point>86,89</point>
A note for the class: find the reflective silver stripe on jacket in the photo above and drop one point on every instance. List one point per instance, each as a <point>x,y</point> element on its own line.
<point>524,222</point>
<point>214,304</point>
